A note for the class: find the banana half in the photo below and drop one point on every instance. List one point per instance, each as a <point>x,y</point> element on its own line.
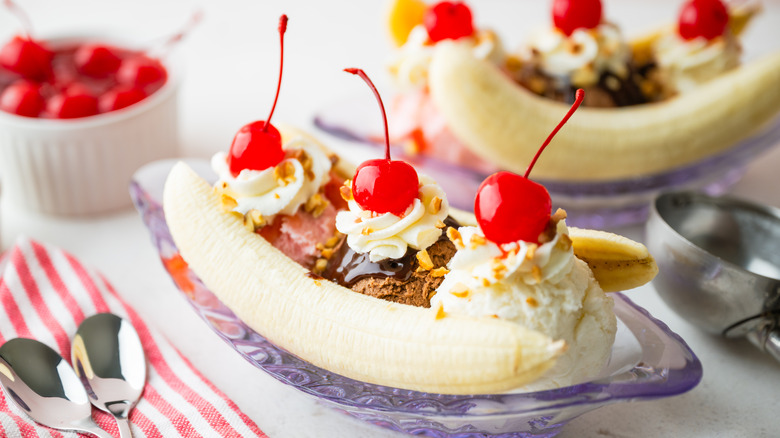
<point>618,263</point>
<point>505,123</point>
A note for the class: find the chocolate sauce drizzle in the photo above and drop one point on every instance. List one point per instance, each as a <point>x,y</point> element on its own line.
<point>347,267</point>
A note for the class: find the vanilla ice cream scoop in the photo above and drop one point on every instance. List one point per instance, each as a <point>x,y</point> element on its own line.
<point>542,287</point>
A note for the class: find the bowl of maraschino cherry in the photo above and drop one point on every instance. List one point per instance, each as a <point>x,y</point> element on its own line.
<point>79,115</point>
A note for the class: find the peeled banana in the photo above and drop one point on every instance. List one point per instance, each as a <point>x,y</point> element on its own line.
<point>618,263</point>
<point>505,123</point>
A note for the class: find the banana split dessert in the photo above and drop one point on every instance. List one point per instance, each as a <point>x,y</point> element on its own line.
<point>433,311</point>
<point>653,104</point>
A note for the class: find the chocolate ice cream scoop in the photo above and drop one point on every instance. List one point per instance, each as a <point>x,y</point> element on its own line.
<point>401,280</point>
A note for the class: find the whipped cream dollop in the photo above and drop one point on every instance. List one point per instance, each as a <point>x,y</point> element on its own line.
<point>686,64</point>
<point>277,190</point>
<point>408,66</point>
<point>542,287</point>
<point>582,57</point>
<point>387,236</point>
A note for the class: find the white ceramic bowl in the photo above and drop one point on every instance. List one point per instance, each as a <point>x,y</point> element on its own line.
<point>83,166</point>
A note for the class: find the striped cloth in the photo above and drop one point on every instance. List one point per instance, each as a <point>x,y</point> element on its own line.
<point>45,293</point>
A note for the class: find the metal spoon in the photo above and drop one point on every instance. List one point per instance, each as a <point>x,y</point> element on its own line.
<point>108,356</point>
<point>42,384</point>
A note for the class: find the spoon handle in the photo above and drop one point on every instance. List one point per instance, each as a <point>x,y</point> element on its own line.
<point>124,427</point>
<point>89,426</point>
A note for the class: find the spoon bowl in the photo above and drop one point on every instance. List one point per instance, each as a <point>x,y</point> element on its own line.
<point>108,356</point>
<point>719,264</point>
<point>43,385</point>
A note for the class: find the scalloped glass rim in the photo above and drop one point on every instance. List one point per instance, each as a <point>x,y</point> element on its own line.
<point>649,360</point>
<point>590,204</point>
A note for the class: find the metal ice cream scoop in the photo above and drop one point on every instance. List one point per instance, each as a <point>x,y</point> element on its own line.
<point>108,356</point>
<point>43,385</point>
<point>719,264</point>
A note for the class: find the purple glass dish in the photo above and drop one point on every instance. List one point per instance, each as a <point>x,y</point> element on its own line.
<point>648,360</point>
<point>589,204</point>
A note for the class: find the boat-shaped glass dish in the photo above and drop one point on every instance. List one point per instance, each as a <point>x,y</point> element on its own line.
<point>648,360</point>
<point>590,204</point>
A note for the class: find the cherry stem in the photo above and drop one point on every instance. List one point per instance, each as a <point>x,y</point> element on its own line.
<point>577,101</point>
<point>282,30</point>
<point>174,39</point>
<point>362,74</point>
<point>23,18</point>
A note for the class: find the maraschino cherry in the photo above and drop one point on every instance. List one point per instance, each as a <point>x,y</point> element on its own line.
<point>258,145</point>
<point>384,185</point>
<point>570,15</point>
<point>120,97</point>
<point>96,60</point>
<point>23,55</point>
<point>23,98</point>
<point>510,207</point>
<point>73,102</point>
<point>27,58</point>
<point>141,71</point>
<point>703,18</point>
<point>448,20</point>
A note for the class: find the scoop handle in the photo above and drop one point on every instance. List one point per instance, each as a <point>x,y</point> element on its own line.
<point>766,336</point>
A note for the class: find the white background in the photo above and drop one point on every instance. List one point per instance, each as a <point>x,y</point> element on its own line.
<point>230,79</point>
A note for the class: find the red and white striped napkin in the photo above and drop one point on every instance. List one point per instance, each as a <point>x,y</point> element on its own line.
<point>45,293</point>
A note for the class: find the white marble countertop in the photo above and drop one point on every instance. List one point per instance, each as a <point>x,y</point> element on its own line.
<point>230,80</point>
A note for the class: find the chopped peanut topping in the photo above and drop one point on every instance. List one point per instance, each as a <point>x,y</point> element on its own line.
<point>327,253</point>
<point>440,312</point>
<point>460,290</point>
<point>455,237</point>
<point>559,215</point>
<point>435,205</point>
<point>316,205</point>
<point>424,259</point>
<point>529,255</point>
<point>284,173</point>
<point>499,271</point>
<point>536,272</point>
<point>476,241</point>
<point>228,203</point>
<point>564,242</point>
<point>319,266</point>
<point>346,193</point>
<point>439,272</point>
<point>306,162</point>
<point>440,225</point>
<point>549,233</point>
<point>330,243</point>
<point>254,220</point>
<point>249,225</point>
